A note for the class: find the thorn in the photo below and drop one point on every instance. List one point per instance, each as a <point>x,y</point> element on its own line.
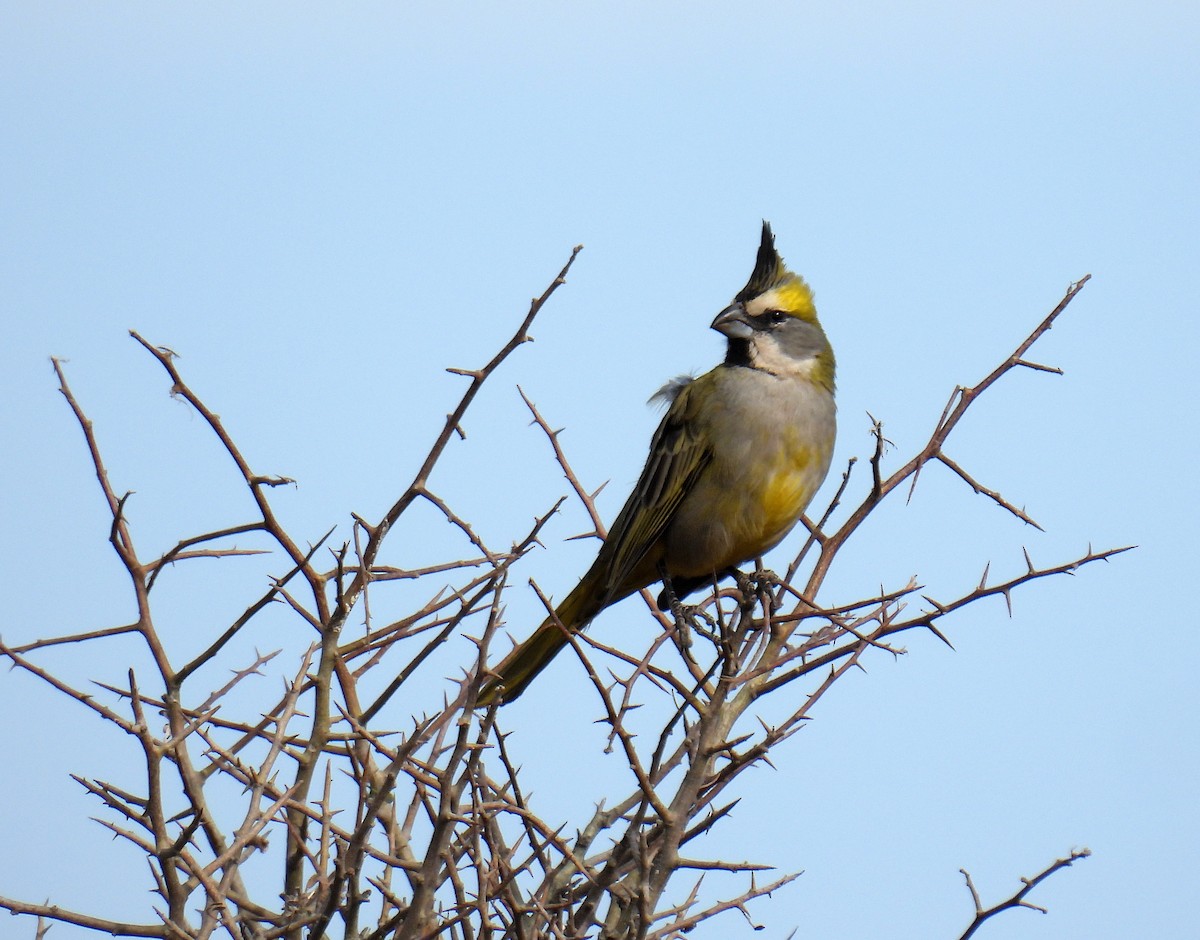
<point>594,534</point>
<point>1037,366</point>
<point>983,580</point>
<point>1008,601</point>
<point>913,487</point>
<point>1028,560</point>
<point>941,608</point>
<point>941,636</point>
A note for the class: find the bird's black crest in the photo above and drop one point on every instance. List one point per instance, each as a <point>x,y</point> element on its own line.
<point>768,267</point>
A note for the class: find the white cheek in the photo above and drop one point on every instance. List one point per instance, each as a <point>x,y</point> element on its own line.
<point>766,354</point>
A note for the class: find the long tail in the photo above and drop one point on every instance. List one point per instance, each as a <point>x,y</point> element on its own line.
<point>520,666</point>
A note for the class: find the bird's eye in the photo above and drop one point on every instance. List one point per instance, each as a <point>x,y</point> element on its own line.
<point>776,316</point>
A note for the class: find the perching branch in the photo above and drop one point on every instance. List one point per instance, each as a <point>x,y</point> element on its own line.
<point>370,809</point>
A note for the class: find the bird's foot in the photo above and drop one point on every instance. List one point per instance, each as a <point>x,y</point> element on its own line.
<point>766,577</point>
<point>757,591</point>
<point>758,585</point>
<point>681,613</point>
<point>747,585</point>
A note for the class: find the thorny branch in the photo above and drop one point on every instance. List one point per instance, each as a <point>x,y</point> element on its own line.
<point>429,831</point>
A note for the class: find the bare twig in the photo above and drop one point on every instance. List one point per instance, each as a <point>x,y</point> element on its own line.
<point>1018,898</point>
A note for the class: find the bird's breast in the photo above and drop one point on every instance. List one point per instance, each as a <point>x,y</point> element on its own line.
<point>772,441</point>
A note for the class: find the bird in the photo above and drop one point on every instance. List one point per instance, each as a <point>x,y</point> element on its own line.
<point>734,463</point>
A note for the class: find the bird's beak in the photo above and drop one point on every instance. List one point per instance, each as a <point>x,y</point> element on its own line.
<point>733,322</point>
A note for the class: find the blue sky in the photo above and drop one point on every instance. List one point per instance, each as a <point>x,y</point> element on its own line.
<point>320,208</point>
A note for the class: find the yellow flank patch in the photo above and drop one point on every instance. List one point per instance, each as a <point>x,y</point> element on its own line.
<point>783,499</point>
<point>787,490</point>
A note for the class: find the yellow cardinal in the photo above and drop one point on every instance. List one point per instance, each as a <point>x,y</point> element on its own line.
<point>739,454</point>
